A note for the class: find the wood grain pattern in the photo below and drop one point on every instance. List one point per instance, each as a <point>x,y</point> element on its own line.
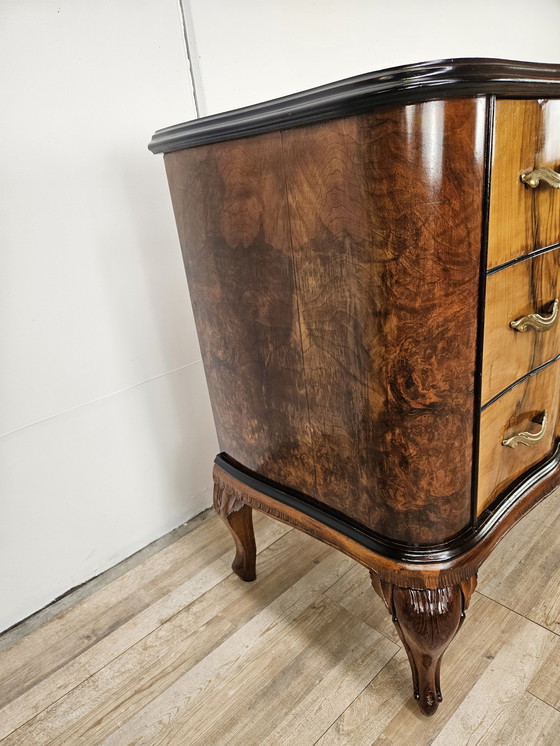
<point>426,620</point>
<point>523,219</point>
<point>124,685</point>
<point>332,383</point>
<point>239,519</point>
<point>362,653</point>
<point>341,686</point>
<point>395,86</point>
<point>546,682</point>
<point>397,571</point>
<point>232,663</point>
<point>386,227</point>
<point>524,573</point>
<point>45,666</point>
<point>231,212</point>
<point>525,288</point>
<point>517,411</point>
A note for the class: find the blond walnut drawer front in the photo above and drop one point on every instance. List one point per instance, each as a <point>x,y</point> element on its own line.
<point>523,219</point>
<point>519,410</point>
<point>521,323</point>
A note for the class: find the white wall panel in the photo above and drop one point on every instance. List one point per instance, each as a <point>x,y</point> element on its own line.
<point>92,291</point>
<point>84,490</point>
<point>248,51</point>
<point>93,298</point>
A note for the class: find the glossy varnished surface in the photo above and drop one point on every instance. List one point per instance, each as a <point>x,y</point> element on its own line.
<point>230,206</point>
<point>517,411</point>
<point>426,621</point>
<point>528,287</point>
<point>386,233</point>
<point>323,334</point>
<point>522,219</point>
<point>402,85</point>
<point>447,564</point>
<point>335,271</point>
<point>426,617</point>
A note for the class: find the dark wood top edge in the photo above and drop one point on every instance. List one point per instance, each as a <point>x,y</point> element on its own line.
<point>494,522</point>
<point>396,85</point>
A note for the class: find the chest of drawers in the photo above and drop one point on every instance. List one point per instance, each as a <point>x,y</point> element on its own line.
<point>375,278</point>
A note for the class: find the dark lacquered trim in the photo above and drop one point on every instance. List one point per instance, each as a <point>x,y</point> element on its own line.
<point>396,85</point>
<point>488,522</point>
<point>488,149</point>
<point>520,380</point>
<point>519,259</point>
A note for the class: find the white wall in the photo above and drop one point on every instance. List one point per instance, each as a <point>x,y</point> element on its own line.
<point>254,50</point>
<point>107,437</point>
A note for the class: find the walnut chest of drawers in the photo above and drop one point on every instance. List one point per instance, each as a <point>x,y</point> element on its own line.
<point>375,276</point>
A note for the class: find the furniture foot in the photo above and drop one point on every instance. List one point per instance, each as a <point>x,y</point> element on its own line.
<point>238,517</point>
<point>427,620</point>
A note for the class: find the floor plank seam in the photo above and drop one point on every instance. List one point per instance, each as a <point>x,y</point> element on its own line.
<point>552,707</point>
<point>359,693</point>
<point>108,662</point>
<point>351,597</point>
<point>124,651</point>
<point>72,597</point>
<point>364,621</point>
<point>325,592</point>
<point>96,642</point>
<point>528,619</point>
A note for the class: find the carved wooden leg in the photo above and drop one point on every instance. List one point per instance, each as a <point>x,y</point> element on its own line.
<point>238,517</point>
<point>426,620</point>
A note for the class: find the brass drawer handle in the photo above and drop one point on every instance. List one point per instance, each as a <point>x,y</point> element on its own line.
<point>533,178</point>
<point>536,321</point>
<point>528,439</point>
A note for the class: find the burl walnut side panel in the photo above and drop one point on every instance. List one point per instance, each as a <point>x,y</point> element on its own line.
<point>231,211</point>
<point>332,270</point>
<point>385,213</point>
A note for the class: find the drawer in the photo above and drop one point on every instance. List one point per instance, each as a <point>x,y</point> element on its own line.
<point>519,410</point>
<point>522,219</point>
<point>526,290</point>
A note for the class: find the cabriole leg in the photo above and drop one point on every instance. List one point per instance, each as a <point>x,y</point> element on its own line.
<point>238,517</point>
<point>427,620</point>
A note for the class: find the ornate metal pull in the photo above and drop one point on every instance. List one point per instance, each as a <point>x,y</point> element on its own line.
<point>533,178</point>
<point>528,439</point>
<point>536,321</point>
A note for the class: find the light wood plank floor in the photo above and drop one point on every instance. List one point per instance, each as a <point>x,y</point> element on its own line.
<point>174,649</point>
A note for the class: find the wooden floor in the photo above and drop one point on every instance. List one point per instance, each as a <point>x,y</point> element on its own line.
<point>177,650</point>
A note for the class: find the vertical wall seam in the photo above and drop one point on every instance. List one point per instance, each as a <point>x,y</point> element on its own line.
<point>192,60</point>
